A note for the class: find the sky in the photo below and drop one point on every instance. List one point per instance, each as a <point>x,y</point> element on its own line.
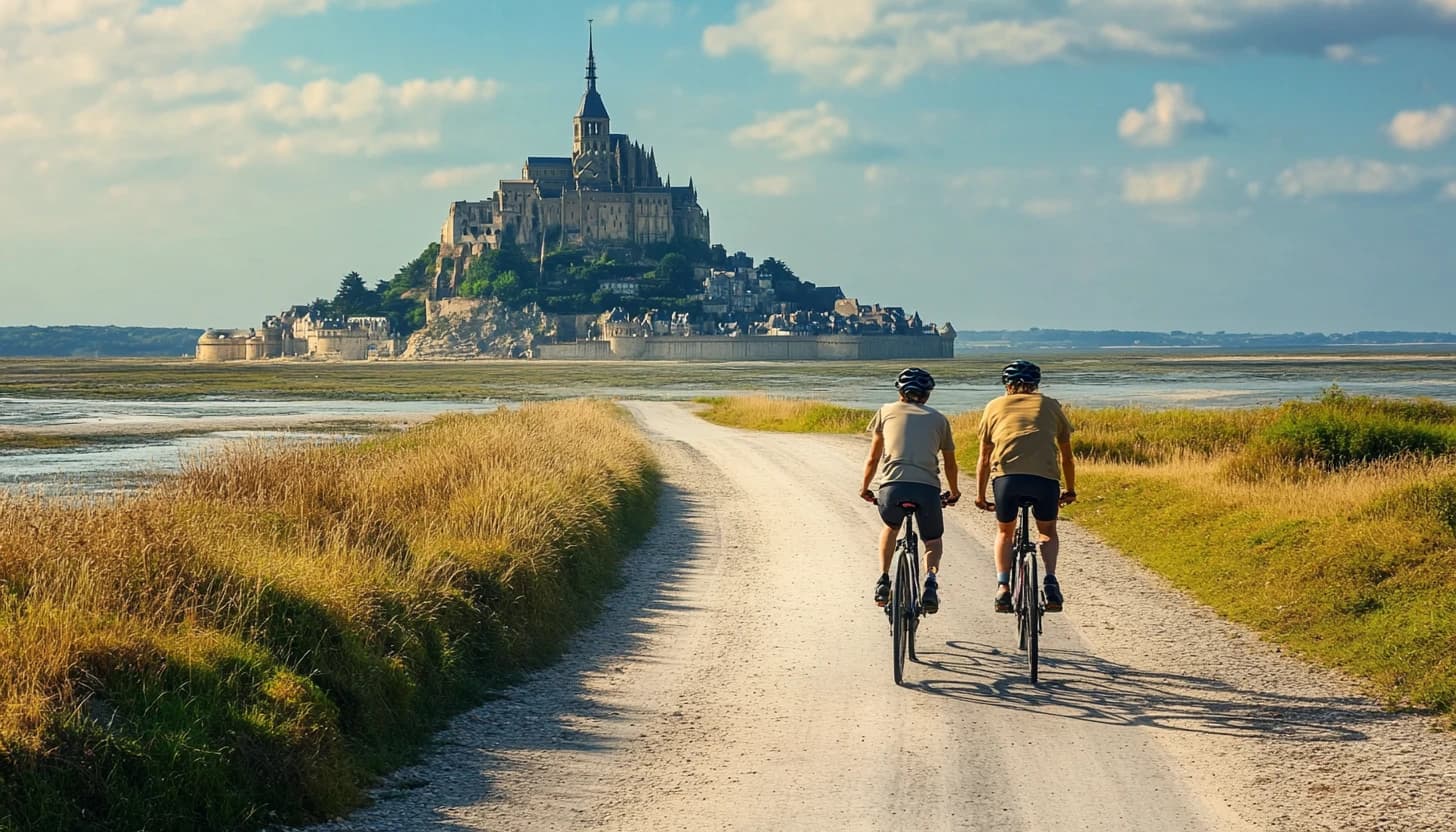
<point>1202,165</point>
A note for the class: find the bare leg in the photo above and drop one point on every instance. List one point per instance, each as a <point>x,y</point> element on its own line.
<point>887,546</point>
<point>933,549</point>
<point>1049,545</point>
<point>1005,533</point>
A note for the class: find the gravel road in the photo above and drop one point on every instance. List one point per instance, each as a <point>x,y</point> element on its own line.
<point>740,680</point>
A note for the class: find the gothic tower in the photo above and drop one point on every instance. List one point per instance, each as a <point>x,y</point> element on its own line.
<point>591,147</point>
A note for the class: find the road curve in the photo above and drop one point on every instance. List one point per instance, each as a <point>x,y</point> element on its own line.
<point>740,680</point>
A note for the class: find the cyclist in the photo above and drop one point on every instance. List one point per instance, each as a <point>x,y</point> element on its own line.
<point>1023,433</point>
<point>903,467</point>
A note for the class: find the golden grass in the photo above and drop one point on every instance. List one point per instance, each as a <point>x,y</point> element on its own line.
<point>1329,526</point>
<point>307,609</point>
<point>783,414</point>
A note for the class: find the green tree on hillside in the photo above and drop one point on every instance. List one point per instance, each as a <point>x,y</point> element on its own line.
<point>354,298</point>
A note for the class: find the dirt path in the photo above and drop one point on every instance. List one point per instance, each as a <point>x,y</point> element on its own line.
<point>741,681</point>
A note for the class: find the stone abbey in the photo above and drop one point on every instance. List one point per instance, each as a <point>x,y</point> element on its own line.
<point>609,191</point>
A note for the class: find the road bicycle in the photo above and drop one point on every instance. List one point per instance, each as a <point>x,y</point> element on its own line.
<point>1026,598</point>
<point>904,608</point>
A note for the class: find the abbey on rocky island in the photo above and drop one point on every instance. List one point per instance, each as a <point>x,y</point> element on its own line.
<point>607,192</point>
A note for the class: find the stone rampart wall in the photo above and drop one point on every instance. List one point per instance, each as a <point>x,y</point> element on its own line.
<point>756,348</point>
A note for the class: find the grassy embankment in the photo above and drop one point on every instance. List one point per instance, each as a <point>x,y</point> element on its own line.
<point>1328,525</point>
<point>255,637</point>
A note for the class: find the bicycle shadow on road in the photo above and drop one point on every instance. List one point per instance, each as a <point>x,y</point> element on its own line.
<point>1077,685</point>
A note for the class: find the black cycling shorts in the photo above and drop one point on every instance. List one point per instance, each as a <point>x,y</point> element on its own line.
<point>1009,489</point>
<point>928,518</point>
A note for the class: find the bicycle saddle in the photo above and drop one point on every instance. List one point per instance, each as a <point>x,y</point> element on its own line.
<point>1026,502</point>
<point>909,506</point>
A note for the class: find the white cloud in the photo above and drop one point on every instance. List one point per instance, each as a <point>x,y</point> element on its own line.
<point>877,174</point>
<point>1446,7</point>
<point>1344,53</point>
<point>114,82</point>
<point>795,134</point>
<point>453,177</point>
<point>768,186</point>
<point>1047,208</point>
<point>1345,176</point>
<point>1254,189</point>
<point>883,42</point>
<point>20,124</point>
<point>1423,129</point>
<point>1171,114</point>
<point>653,12</point>
<point>1166,184</point>
<point>1449,192</point>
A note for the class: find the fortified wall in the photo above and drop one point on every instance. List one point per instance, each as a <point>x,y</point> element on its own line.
<point>757,348</point>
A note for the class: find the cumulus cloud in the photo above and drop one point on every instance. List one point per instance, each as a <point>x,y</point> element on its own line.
<point>114,82</point>
<point>655,12</point>
<point>1344,53</point>
<point>454,177</point>
<point>1423,129</point>
<point>795,134</point>
<point>1166,120</point>
<point>1166,184</point>
<point>768,186</point>
<point>883,42</point>
<point>1344,176</point>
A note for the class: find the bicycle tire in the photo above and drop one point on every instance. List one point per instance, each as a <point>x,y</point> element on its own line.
<point>899,598</point>
<point>1033,618</point>
<point>912,609</point>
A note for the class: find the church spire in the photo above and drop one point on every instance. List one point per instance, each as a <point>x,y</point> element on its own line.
<point>591,57</point>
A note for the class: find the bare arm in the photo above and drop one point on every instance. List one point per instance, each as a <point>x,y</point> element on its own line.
<point>983,474</point>
<point>952,474</point>
<point>872,465</point>
<point>1069,471</point>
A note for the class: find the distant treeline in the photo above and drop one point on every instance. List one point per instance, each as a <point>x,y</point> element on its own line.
<point>1073,338</point>
<point>110,341</point>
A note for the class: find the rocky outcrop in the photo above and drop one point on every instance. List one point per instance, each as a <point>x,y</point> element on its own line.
<point>487,328</point>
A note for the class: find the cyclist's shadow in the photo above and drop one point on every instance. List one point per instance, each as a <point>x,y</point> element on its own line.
<point>1077,685</point>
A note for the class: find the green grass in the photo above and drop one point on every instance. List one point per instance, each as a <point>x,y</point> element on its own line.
<point>1329,526</point>
<point>251,640</point>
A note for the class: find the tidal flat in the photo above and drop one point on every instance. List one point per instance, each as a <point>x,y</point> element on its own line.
<point>98,425</point>
<point>1197,378</point>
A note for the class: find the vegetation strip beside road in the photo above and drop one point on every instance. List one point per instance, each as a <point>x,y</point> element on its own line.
<point>1330,526</point>
<point>251,640</point>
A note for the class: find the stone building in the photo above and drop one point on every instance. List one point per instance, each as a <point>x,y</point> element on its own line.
<point>297,333</point>
<point>609,191</point>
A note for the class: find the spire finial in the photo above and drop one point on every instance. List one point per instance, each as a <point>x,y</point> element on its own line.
<point>591,55</point>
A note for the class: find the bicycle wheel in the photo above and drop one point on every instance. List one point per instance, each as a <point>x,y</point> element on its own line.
<point>1033,615</point>
<point>912,609</point>
<point>900,601</point>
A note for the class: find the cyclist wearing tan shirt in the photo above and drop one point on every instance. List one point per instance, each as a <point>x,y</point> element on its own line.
<point>910,441</point>
<point>1024,435</point>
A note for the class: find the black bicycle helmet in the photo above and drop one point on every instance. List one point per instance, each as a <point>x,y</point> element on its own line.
<point>1021,372</point>
<point>914,379</point>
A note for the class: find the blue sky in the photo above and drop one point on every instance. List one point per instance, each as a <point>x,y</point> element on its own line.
<point>1152,164</point>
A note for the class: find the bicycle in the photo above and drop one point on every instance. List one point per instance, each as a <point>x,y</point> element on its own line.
<point>1026,598</point>
<point>904,608</point>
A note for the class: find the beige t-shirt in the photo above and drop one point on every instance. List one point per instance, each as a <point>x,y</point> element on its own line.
<point>1023,429</point>
<point>914,437</point>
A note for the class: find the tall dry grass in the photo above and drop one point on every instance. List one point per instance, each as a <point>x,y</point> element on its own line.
<point>251,638</point>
